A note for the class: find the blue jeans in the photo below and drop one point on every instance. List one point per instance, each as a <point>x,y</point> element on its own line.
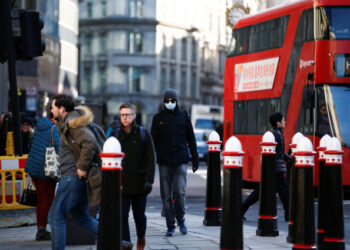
<point>138,203</point>
<point>71,196</point>
<point>172,186</point>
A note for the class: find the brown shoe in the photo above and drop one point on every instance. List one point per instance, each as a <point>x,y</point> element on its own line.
<point>141,243</point>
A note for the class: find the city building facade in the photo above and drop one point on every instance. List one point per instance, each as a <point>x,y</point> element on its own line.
<point>132,50</point>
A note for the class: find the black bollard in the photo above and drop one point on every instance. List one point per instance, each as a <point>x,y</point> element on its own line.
<point>109,233</point>
<point>232,225</point>
<point>304,221</point>
<point>267,222</point>
<point>323,182</point>
<point>334,223</point>
<point>212,216</point>
<point>292,187</point>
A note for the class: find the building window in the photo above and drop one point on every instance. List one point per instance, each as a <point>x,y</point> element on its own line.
<point>89,44</point>
<point>135,42</point>
<point>172,80</point>
<point>183,49</point>
<point>193,83</point>
<point>134,79</point>
<point>173,50</point>
<point>103,42</point>
<point>194,50</point>
<point>136,8</point>
<point>89,10</point>
<point>103,8</point>
<point>103,79</point>
<point>163,51</point>
<point>88,80</point>
<point>183,82</point>
<point>162,80</point>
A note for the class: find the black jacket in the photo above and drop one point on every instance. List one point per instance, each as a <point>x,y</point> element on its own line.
<point>281,156</point>
<point>139,161</point>
<point>173,138</point>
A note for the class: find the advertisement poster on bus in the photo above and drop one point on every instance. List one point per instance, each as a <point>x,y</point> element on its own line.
<point>257,75</point>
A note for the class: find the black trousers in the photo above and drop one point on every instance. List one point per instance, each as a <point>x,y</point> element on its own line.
<point>138,204</point>
<point>282,190</point>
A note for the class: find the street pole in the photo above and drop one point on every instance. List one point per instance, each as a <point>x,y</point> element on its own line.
<point>6,12</point>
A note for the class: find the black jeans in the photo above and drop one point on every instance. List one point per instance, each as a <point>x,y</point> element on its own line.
<point>282,190</point>
<point>138,204</point>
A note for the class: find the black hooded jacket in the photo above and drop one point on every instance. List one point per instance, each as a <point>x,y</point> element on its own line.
<point>173,137</point>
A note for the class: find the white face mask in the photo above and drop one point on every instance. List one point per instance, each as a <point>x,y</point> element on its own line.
<point>170,105</point>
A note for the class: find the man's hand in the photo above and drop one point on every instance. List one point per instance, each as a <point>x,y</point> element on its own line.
<point>147,187</point>
<point>81,173</point>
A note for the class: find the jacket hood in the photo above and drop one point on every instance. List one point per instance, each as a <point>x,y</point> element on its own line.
<point>80,117</point>
<point>44,123</point>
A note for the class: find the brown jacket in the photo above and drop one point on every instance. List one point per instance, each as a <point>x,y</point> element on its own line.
<point>80,139</point>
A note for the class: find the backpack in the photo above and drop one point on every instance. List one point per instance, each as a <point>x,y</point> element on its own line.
<point>99,134</point>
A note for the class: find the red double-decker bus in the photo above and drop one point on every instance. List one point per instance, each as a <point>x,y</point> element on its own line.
<point>295,59</point>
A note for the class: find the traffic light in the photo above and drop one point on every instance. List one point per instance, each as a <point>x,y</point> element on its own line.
<point>30,44</point>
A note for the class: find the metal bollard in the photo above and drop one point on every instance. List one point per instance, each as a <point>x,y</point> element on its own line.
<point>232,225</point>
<point>334,224</point>
<point>292,187</point>
<point>109,234</point>
<point>323,182</point>
<point>212,215</point>
<point>304,220</point>
<point>267,222</point>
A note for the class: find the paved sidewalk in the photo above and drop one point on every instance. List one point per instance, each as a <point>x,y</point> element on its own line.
<point>199,237</point>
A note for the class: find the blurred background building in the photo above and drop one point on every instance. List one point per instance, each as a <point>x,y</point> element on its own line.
<point>54,72</point>
<point>110,52</point>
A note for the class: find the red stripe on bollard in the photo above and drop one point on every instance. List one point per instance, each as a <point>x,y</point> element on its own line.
<point>304,246</point>
<point>291,223</point>
<point>334,239</point>
<point>213,208</point>
<point>320,230</point>
<point>267,217</point>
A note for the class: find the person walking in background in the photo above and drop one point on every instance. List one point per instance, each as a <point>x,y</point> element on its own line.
<point>78,147</point>
<point>173,138</point>
<point>27,134</point>
<point>137,175</point>
<point>115,124</point>
<point>45,131</point>
<point>278,123</point>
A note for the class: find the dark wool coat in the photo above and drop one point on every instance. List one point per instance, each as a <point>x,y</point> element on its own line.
<point>173,137</point>
<point>79,138</point>
<point>281,156</point>
<point>139,160</point>
<point>40,141</point>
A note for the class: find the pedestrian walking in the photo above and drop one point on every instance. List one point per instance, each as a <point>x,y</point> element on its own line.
<point>278,123</point>
<point>45,132</point>
<point>137,175</point>
<point>78,147</point>
<point>27,134</point>
<point>173,138</point>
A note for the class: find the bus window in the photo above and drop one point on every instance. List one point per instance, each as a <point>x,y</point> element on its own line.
<point>337,98</point>
<point>305,119</point>
<point>322,111</point>
<point>305,30</point>
<point>332,23</point>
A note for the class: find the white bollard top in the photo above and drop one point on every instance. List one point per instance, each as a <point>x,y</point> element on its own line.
<point>324,141</point>
<point>333,144</point>
<point>304,145</point>
<point>112,145</point>
<point>268,137</point>
<point>233,145</point>
<point>214,136</point>
<point>296,138</point>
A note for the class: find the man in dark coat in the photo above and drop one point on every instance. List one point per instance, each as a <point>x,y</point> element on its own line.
<point>278,123</point>
<point>173,138</point>
<point>137,175</point>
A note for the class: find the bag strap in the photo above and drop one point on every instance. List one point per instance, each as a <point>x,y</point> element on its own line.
<point>51,137</point>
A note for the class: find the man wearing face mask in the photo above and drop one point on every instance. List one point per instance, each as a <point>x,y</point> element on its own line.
<point>173,138</point>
